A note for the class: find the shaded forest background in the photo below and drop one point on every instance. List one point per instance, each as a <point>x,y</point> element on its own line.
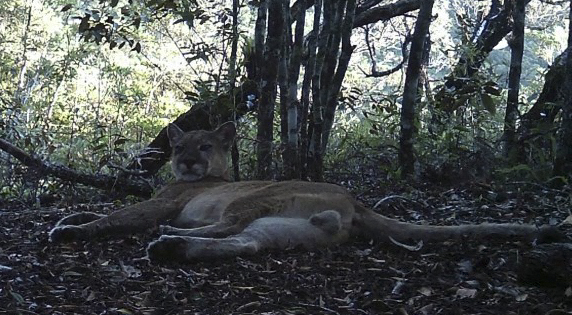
<point>439,92</point>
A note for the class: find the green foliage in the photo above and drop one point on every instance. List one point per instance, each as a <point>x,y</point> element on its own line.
<point>93,107</point>
<point>90,107</point>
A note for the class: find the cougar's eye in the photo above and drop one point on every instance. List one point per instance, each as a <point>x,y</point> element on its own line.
<point>205,147</point>
<point>178,148</point>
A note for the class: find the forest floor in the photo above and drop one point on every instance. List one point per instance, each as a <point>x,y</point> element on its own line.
<point>455,277</point>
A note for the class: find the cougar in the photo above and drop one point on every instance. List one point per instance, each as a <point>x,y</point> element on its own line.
<point>210,217</point>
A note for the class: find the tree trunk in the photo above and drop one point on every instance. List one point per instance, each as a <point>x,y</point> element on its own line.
<point>331,66</point>
<point>283,83</point>
<point>563,161</point>
<point>314,150</point>
<point>259,40</point>
<point>232,83</point>
<point>269,75</point>
<point>338,77</point>
<point>517,49</point>
<point>537,125</point>
<point>292,149</point>
<point>309,72</point>
<point>407,122</point>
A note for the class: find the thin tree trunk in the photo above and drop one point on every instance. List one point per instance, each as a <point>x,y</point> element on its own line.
<point>20,94</point>
<point>232,83</point>
<point>291,150</point>
<point>309,71</point>
<point>408,129</point>
<point>329,46</point>
<point>259,39</point>
<point>338,78</point>
<point>314,149</point>
<point>331,66</point>
<point>283,79</point>
<point>517,49</point>
<point>268,89</point>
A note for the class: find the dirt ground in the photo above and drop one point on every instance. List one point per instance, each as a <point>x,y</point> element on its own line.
<point>455,277</point>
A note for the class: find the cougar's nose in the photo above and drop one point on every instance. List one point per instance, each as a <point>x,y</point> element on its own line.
<point>189,162</point>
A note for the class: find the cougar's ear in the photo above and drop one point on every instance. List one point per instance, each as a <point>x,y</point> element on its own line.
<point>174,133</point>
<point>226,133</point>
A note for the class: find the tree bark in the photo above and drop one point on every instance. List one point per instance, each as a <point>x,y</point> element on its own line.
<point>537,125</point>
<point>306,120</point>
<point>407,122</point>
<point>283,84</point>
<point>517,50</point>
<point>260,38</point>
<point>232,83</point>
<point>269,75</point>
<point>338,77</point>
<point>292,149</point>
<point>331,66</point>
<point>563,161</point>
<point>315,131</point>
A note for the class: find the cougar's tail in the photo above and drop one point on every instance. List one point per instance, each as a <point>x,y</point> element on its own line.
<point>378,227</point>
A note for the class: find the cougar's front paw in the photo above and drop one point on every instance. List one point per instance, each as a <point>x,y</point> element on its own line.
<point>167,248</point>
<point>66,233</point>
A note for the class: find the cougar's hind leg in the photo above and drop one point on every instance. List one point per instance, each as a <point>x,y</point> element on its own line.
<point>262,234</point>
<point>169,248</point>
<point>80,218</point>
<point>135,218</point>
<point>217,230</point>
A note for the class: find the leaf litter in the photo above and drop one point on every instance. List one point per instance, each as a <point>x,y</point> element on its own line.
<point>361,277</point>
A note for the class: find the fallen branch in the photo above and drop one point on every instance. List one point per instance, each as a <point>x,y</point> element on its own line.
<point>106,182</point>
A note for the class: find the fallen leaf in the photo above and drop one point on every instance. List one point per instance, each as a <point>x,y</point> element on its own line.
<point>466,293</point>
<point>522,297</point>
<point>425,291</point>
<point>567,221</point>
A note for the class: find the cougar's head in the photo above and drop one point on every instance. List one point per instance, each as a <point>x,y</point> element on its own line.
<point>199,154</point>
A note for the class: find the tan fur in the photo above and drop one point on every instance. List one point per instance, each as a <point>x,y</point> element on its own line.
<point>210,217</point>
